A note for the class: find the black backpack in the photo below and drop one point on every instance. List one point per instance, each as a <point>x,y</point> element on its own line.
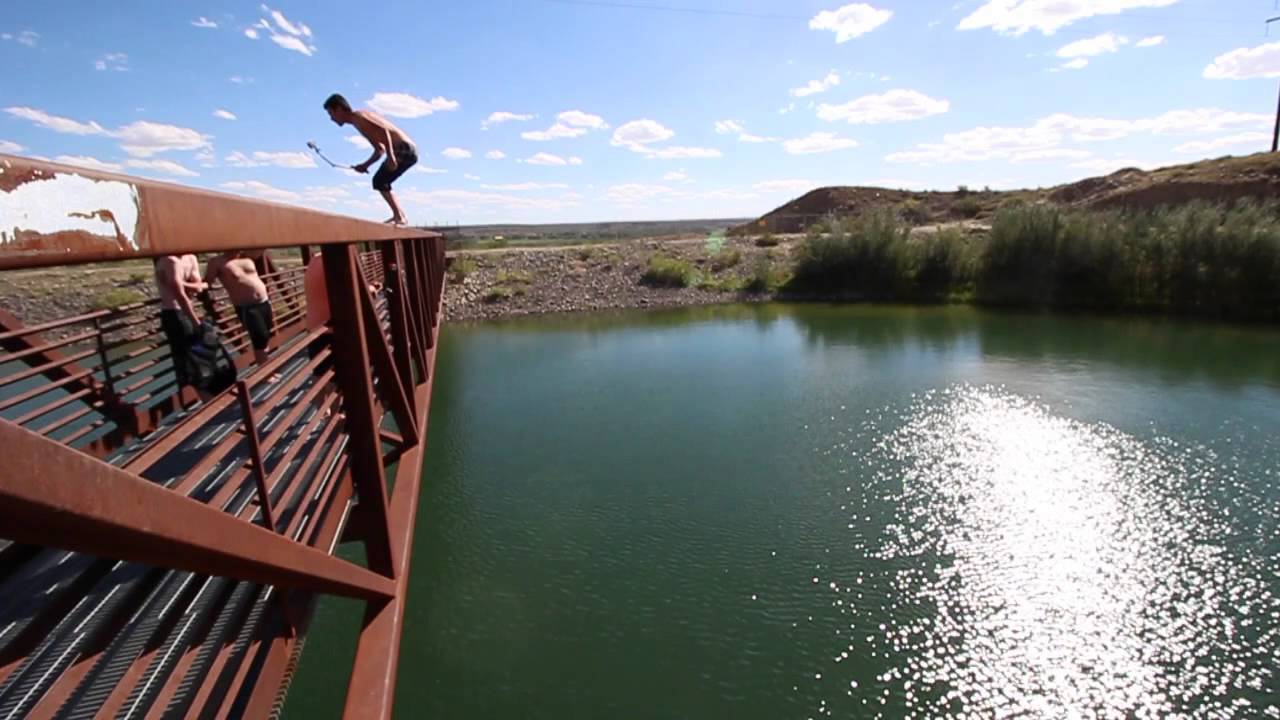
<point>212,369</point>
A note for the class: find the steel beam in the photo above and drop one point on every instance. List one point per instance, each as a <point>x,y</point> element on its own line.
<point>127,217</point>
<point>52,495</point>
<point>351,368</point>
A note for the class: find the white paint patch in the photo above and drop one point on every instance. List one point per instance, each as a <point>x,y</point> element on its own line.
<point>66,202</point>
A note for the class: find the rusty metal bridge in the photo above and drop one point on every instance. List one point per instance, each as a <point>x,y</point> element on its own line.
<point>160,557</point>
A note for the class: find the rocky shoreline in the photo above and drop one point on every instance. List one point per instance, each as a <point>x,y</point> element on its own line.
<point>490,284</point>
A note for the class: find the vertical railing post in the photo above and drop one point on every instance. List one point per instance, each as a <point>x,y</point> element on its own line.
<point>107,381</point>
<point>417,285</point>
<point>255,454</point>
<point>351,371</point>
<point>398,304</point>
<point>413,314</point>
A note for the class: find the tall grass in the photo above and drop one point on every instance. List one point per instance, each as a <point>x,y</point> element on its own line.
<point>1199,258</point>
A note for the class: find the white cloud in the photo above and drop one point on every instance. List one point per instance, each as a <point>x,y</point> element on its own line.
<point>289,42</point>
<point>1094,46</point>
<point>1015,17</point>
<point>251,33</point>
<point>56,123</point>
<point>495,155</point>
<point>470,199</point>
<point>91,163</point>
<point>786,109</point>
<point>569,124</point>
<point>632,193</point>
<point>819,142</point>
<point>850,21</point>
<point>749,138</point>
<point>575,160</point>
<point>545,159</point>
<point>1260,139</point>
<point>676,176</point>
<point>261,189</point>
<point>404,105</point>
<point>167,167</point>
<point>278,159</point>
<point>144,139</point>
<point>26,37</point>
<point>238,80</point>
<point>681,153</point>
<point>892,106</point>
<point>10,147</point>
<point>140,138</point>
<point>728,127</point>
<point>456,153</point>
<point>1152,41</point>
<point>784,186</point>
<point>1026,156</point>
<point>502,117</point>
<point>283,23</point>
<point>638,133</point>
<point>1077,64</point>
<point>224,114</point>
<point>817,86</point>
<point>118,62</point>
<point>358,141</point>
<point>424,170</point>
<point>521,187</point>
<point>204,22</point>
<point>1050,133</point>
<point>1243,63</point>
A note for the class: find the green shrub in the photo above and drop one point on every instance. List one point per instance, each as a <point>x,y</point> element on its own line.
<point>860,255</point>
<point>117,297</point>
<point>664,271</point>
<point>913,211</point>
<point>725,259</point>
<point>522,277</point>
<point>460,268</point>
<point>1199,258</point>
<point>764,277</point>
<point>498,293</point>
<point>967,207</point>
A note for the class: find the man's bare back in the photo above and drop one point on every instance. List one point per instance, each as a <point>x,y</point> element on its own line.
<point>240,277</point>
<point>375,129</point>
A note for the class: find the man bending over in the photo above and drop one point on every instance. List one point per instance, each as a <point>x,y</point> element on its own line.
<point>385,138</point>
<point>237,273</point>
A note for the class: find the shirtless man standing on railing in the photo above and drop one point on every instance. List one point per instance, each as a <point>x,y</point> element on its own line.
<point>238,274</point>
<point>386,139</point>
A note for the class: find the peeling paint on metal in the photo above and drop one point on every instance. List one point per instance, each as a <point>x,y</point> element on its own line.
<point>66,202</point>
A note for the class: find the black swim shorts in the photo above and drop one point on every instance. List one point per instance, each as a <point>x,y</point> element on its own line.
<point>178,329</point>
<point>258,321</point>
<point>405,159</point>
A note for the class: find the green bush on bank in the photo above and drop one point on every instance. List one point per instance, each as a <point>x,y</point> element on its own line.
<point>1199,258</point>
<point>666,271</point>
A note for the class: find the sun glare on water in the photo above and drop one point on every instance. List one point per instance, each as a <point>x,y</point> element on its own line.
<point>1045,567</point>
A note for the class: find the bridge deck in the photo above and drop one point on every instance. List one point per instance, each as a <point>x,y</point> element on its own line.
<point>160,556</point>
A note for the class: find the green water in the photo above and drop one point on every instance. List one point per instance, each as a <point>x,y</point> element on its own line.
<point>801,512</point>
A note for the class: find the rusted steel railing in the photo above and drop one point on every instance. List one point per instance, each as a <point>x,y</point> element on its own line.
<point>160,556</point>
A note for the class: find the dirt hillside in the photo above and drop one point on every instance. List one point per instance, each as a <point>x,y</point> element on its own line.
<point>1223,179</point>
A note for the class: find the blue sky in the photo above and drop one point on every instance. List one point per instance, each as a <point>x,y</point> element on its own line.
<point>583,110</point>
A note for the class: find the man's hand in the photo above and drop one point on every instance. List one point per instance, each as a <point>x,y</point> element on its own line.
<point>362,168</point>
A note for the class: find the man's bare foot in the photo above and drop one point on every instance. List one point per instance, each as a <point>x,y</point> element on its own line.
<point>395,221</point>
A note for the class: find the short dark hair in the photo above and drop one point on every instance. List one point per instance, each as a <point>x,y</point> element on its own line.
<point>337,101</point>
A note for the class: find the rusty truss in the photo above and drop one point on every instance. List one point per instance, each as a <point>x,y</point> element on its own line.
<point>160,557</point>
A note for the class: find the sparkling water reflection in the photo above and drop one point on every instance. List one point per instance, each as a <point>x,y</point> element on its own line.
<point>1051,568</point>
